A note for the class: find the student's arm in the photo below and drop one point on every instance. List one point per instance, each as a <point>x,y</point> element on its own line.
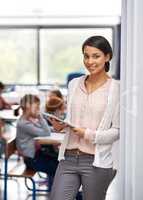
<point>4,104</point>
<point>34,129</point>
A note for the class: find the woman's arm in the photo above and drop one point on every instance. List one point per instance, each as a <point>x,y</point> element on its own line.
<point>112,134</point>
<point>105,136</point>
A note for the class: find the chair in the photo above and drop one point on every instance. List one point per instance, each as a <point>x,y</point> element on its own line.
<point>27,174</point>
<point>1,147</point>
<point>73,75</point>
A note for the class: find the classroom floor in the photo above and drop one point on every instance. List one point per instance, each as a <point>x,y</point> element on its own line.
<point>18,191</point>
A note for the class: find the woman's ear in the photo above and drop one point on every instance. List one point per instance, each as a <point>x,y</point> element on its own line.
<point>108,57</point>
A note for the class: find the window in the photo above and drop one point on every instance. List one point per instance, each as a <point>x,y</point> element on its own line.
<point>43,55</point>
<point>18,56</point>
<point>60,51</point>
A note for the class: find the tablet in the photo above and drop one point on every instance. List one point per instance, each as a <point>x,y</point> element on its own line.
<point>58,119</point>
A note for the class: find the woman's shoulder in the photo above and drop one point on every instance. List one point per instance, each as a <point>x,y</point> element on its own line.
<point>116,83</point>
<point>115,89</point>
<point>75,81</point>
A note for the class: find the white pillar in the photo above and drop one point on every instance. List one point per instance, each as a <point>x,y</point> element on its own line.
<point>131,165</point>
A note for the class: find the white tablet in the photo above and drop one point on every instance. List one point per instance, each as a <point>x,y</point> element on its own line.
<point>58,119</point>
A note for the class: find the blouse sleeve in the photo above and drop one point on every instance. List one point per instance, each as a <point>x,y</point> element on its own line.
<point>112,134</point>
<point>105,136</point>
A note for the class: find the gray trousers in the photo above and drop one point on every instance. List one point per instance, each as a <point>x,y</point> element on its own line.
<point>75,171</point>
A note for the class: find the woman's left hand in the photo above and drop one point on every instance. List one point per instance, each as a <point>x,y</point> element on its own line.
<point>79,131</point>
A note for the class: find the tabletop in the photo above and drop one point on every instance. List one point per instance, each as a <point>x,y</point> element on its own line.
<point>54,138</point>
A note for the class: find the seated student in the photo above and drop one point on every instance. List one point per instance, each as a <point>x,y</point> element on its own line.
<point>56,106</point>
<point>55,93</point>
<point>30,125</point>
<point>3,103</point>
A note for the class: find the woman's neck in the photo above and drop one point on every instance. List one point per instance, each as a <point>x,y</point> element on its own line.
<point>95,79</point>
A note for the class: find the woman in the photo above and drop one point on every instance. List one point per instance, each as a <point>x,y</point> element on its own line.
<point>30,125</point>
<point>86,152</point>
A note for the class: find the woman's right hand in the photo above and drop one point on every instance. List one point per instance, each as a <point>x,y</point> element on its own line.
<point>57,125</point>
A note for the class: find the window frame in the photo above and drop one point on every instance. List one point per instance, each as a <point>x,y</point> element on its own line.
<point>115,33</point>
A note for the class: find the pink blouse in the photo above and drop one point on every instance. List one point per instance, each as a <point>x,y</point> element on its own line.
<point>87,110</point>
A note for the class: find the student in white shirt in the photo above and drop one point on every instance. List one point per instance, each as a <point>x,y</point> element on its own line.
<point>93,107</point>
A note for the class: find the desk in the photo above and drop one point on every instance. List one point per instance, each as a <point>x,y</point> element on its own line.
<point>7,115</point>
<point>54,138</point>
<point>8,148</point>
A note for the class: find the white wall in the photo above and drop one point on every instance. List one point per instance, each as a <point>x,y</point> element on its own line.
<point>131,179</point>
<point>60,7</point>
<point>55,12</point>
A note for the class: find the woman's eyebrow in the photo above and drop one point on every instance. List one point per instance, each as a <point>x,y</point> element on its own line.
<point>94,54</point>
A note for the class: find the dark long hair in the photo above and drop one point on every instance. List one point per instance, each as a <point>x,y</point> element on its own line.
<point>101,43</point>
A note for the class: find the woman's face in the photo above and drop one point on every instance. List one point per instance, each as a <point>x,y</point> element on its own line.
<point>94,59</point>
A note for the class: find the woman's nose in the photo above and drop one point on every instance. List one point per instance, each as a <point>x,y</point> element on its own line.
<point>90,60</point>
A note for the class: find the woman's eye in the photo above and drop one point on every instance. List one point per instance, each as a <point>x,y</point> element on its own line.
<point>93,56</point>
<point>96,56</point>
<point>86,57</point>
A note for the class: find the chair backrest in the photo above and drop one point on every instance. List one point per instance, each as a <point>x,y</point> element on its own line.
<point>10,148</point>
<point>2,144</point>
<point>73,75</point>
